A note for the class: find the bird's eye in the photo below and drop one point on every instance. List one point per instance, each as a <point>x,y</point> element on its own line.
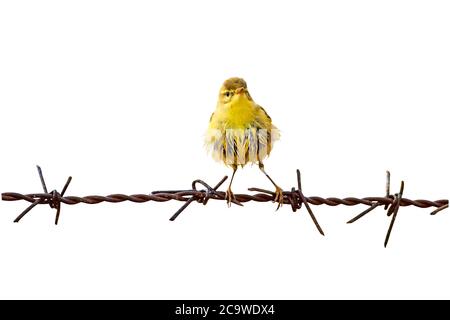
<point>227,94</point>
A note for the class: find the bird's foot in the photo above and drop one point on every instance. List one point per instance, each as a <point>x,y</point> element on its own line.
<point>278,196</point>
<point>229,197</point>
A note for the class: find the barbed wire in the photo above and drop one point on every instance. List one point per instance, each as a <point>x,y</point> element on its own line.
<point>295,198</point>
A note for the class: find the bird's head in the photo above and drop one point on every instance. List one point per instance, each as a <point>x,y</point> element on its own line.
<point>233,89</point>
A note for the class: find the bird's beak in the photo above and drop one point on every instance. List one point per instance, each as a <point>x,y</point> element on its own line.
<point>240,90</point>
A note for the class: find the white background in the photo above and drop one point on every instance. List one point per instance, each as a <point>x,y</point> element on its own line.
<point>118,94</point>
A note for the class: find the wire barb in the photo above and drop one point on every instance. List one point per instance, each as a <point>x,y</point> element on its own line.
<point>378,203</point>
<point>204,199</point>
<point>445,206</point>
<point>396,206</point>
<point>388,187</point>
<point>308,208</point>
<point>53,199</point>
<point>42,179</point>
<point>362,214</point>
<point>24,212</point>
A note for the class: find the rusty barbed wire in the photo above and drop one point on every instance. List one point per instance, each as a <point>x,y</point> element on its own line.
<point>295,198</point>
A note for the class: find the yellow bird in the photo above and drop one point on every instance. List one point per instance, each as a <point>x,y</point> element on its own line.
<point>240,132</point>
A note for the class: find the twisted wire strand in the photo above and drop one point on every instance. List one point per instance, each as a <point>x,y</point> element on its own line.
<point>218,195</point>
<point>295,198</point>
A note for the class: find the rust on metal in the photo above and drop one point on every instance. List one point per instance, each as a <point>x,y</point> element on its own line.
<point>295,198</point>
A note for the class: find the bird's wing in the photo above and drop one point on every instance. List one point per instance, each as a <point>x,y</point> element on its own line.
<point>264,111</point>
<point>262,119</point>
<point>269,135</point>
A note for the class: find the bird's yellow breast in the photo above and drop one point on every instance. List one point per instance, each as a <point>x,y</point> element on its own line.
<point>240,113</point>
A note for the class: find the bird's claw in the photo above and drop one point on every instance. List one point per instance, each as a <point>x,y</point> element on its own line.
<point>278,197</point>
<point>229,197</point>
